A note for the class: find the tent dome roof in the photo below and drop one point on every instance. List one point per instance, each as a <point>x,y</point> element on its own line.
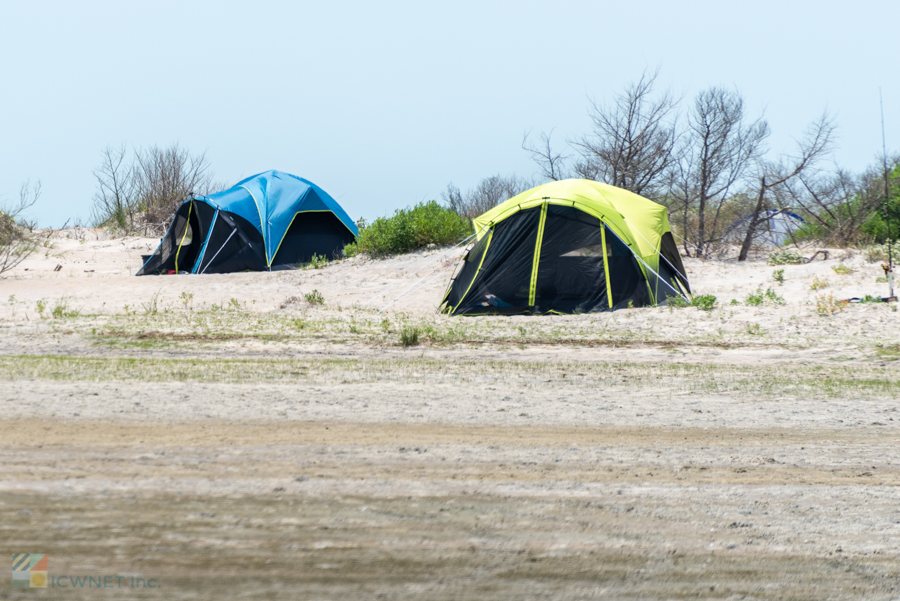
<point>272,199</point>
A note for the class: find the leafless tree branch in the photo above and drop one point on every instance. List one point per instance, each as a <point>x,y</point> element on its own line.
<point>552,163</point>
<point>633,142</point>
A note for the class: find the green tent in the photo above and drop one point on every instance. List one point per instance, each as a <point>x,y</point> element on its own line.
<point>572,246</point>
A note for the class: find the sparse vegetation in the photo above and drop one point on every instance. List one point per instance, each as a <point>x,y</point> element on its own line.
<point>879,252</point>
<point>63,310</point>
<point>151,307</point>
<point>187,300</point>
<point>704,302</point>
<point>764,381</point>
<point>316,262</point>
<point>409,336</point>
<point>817,284</point>
<point>841,269</point>
<point>786,256</point>
<point>769,298</point>
<point>778,276</point>
<point>677,302</point>
<point>314,298</point>
<point>754,330</point>
<point>829,305</point>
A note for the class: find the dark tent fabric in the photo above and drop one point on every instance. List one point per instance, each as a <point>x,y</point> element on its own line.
<point>224,232</point>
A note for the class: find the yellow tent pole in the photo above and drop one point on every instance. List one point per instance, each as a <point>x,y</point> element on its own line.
<point>184,235</point>
<point>537,256</point>
<point>606,264</point>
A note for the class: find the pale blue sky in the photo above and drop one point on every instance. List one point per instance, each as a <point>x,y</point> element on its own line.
<point>383,103</point>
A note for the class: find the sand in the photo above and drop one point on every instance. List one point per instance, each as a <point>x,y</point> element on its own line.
<point>263,447</point>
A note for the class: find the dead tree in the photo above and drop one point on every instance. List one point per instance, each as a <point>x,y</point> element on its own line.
<point>718,148</point>
<point>772,178</point>
<point>633,142</point>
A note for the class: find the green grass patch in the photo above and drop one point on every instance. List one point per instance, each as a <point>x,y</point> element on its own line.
<point>768,298</point>
<point>704,302</point>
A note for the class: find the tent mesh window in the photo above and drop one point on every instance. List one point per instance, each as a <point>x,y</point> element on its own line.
<point>571,276</point>
<point>311,233</point>
<point>503,282</point>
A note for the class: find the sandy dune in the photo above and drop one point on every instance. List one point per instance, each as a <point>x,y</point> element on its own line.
<point>263,447</point>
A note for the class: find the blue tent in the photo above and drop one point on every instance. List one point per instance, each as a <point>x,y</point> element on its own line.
<point>270,220</point>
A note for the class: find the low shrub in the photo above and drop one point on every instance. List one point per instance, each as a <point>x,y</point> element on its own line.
<point>314,298</point>
<point>62,310</point>
<point>817,284</point>
<point>786,256</point>
<point>410,229</point>
<point>769,297</point>
<point>754,330</point>
<point>879,252</point>
<point>316,262</point>
<point>409,336</point>
<point>841,269</point>
<point>829,305</point>
<point>704,302</point>
<point>778,276</point>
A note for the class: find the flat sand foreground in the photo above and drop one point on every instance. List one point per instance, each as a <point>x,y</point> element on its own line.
<point>226,438</point>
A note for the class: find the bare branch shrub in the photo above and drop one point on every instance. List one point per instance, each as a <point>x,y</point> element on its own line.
<point>166,177</point>
<point>16,239</point>
<point>143,194</point>
<point>490,192</point>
